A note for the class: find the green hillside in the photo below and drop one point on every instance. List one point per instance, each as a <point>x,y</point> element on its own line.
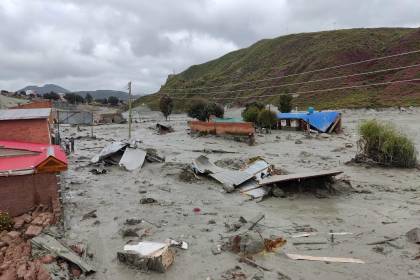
<point>298,53</point>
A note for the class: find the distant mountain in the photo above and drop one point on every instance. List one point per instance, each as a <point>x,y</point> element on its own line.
<point>96,94</point>
<point>100,94</point>
<point>46,89</point>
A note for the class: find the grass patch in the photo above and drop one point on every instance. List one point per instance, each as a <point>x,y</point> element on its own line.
<point>6,222</point>
<point>386,145</point>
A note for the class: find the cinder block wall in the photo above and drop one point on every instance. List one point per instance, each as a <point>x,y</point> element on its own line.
<point>20,194</point>
<point>32,131</point>
<point>221,128</point>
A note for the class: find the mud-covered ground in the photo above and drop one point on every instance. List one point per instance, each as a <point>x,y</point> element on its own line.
<point>381,203</point>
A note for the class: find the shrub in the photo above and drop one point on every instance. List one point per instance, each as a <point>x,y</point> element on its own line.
<point>384,144</point>
<point>285,103</point>
<point>216,110</point>
<point>255,104</point>
<point>6,222</point>
<point>267,118</point>
<point>166,104</point>
<point>250,114</point>
<point>198,110</point>
<point>201,110</point>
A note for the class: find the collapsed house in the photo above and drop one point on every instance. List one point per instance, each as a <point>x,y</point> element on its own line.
<point>320,121</point>
<point>28,176</point>
<point>225,127</point>
<point>125,155</point>
<point>256,179</point>
<point>26,125</point>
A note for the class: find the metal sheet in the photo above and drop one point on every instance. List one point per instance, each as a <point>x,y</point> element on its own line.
<point>321,121</point>
<point>108,151</point>
<point>133,159</point>
<point>229,178</point>
<point>297,177</point>
<point>24,114</point>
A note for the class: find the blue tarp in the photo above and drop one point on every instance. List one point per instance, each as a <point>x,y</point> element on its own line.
<point>319,120</point>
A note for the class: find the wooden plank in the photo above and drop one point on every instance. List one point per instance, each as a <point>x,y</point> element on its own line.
<point>323,259</point>
<point>337,120</point>
<point>297,177</point>
<point>51,245</point>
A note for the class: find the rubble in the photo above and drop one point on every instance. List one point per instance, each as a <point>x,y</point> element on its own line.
<point>148,256</point>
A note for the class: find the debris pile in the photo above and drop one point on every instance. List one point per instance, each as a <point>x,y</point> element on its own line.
<point>163,129</point>
<point>20,256</point>
<point>126,155</point>
<point>257,178</point>
<point>150,256</point>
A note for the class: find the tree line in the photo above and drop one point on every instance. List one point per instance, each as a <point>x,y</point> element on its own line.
<point>254,112</point>
<point>74,98</point>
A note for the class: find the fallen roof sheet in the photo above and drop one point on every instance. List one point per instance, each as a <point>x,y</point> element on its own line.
<point>132,159</point>
<point>229,178</point>
<point>29,158</point>
<point>25,114</point>
<point>320,120</point>
<point>108,151</point>
<point>298,176</point>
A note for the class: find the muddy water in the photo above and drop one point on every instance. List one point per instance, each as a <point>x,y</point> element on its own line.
<point>387,203</point>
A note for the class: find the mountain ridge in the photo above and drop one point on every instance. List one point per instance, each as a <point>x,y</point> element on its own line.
<point>303,52</point>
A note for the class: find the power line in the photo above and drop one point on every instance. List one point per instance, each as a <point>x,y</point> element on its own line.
<point>299,83</point>
<point>309,91</point>
<point>301,73</point>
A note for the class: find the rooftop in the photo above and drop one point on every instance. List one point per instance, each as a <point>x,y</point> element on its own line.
<point>24,114</point>
<point>19,158</point>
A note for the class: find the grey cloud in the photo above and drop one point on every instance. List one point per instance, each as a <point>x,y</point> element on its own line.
<point>96,44</point>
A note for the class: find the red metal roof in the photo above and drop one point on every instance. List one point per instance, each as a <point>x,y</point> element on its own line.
<point>23,158</point>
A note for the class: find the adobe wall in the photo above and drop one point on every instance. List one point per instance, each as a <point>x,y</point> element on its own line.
<point>222,128</point>
<point>32,131</point>
<point>35,105</point>
<point>20,194</point>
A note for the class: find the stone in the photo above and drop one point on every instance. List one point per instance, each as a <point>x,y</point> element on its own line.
<point>75,272</point>
<point>47,259</point>
<point>298,142</point>
<point>33,231</point>
<point>278,192</point>
<point>13,234</point>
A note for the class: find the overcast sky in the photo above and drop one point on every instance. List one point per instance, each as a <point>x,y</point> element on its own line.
<point>102,44</point>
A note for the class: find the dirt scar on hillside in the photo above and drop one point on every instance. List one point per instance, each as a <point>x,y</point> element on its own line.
<point>383,202</point>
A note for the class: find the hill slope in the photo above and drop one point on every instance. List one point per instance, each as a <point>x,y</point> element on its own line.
<point>299,53</point>
<point>45,89</point>
<point>96,94</point>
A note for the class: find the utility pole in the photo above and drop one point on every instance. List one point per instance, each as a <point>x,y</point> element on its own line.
<point>129,111</point>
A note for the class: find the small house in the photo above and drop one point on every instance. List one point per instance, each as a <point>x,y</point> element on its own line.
<point>28,176</point>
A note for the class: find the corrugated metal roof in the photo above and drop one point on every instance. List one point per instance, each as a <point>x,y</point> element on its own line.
<point>24,114</point>
<point>229,120</point>
<point>318,120</point>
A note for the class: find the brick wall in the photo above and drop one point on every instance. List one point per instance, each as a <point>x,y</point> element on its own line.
<point>32,131</point>
<point>222,128</point>
<point>20,194</point>
<point>35,105</point>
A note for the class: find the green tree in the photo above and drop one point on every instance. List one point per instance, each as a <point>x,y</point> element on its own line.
<point>112,100</point>
<point>250,114</point>
<point>166,104</point>
<point>198,110</point>
<point>51,95</point>
<point>73,98</point>
<point>88,98</point>
<point>215,109</point>
<point>285,103</point>
<point>267,118</point>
